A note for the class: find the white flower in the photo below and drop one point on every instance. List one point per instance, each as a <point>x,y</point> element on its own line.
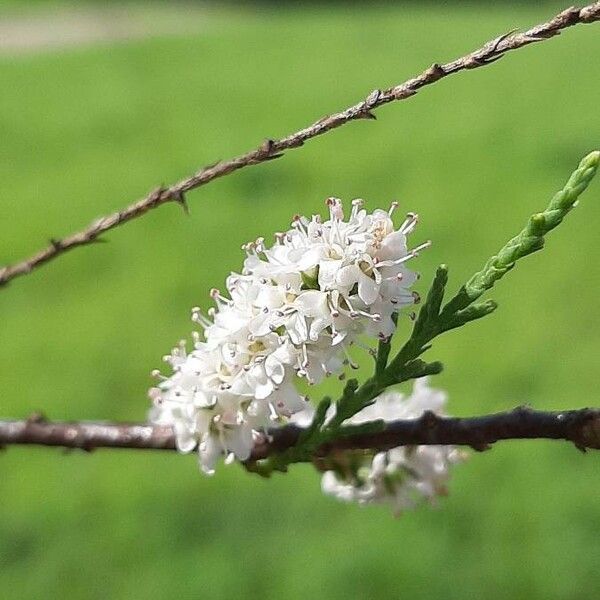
<point>401,476</point>
<point>336,279</point>
<point>293,311</point>
<point>215,404</point>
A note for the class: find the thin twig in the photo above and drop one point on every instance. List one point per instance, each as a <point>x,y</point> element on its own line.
<point>271,149</point>
<point>581,427</point>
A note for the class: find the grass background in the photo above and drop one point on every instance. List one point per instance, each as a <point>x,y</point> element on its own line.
<point>86,130</point>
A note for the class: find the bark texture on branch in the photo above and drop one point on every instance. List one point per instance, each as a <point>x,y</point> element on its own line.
<point>581,427</point>
<point>271,149</point>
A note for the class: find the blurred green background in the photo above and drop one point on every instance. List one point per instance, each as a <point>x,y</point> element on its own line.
<point>88,127</point>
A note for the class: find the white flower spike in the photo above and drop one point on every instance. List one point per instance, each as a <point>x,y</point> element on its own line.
<point>293,311</point>
<point>401,476</point>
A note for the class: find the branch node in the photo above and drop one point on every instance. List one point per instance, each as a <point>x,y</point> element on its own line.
<point>372,98</point>
<point>501,38</point>
<point>212,165</point>
<point>434,73</point>
<point>481,446</point>
<point>37,417</point>
<point>267,147</point>
<point>492,59</point>
<point>569,16</point>
<point>156,196</point>
<point>589,14</point>
<point>322,120</point>
<point>590,430</point>
<point>429,419</point>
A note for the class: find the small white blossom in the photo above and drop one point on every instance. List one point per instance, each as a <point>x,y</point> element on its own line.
<point>401,476</point>
<point>294,310</point>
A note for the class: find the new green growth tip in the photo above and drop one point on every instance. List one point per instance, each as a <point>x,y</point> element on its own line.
<point>531,238</point>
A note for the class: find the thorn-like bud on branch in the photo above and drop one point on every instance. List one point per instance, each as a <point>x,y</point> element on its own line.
<point>267,146</point>
<point>179,197</point>
<point>434,72</point>
<point>367,114</point>
<point>37,417</point>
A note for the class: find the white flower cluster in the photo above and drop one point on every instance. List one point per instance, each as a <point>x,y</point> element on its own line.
<point>401,476</point>
<point>294,310</point>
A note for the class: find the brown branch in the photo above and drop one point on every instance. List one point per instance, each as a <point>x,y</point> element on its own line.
<point>271,149</point>
<point>581,427</point>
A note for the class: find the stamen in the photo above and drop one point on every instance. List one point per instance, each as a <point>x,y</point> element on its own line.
<point>305,356</point>
<point>298,224</point>
<point>348,360</point>
<point>368,349</point>
<point>336,210</point>
<point>412,254</point>
<point>273,416</point>
<point>356,206</point>
<point>198,317</point>
<point>216,295</point>
<point>409,224</point>
<point>332,309</point>
<point>325,369</point>
<point>250,248</point>
<point>354,313</point>
<point>423,246</point>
